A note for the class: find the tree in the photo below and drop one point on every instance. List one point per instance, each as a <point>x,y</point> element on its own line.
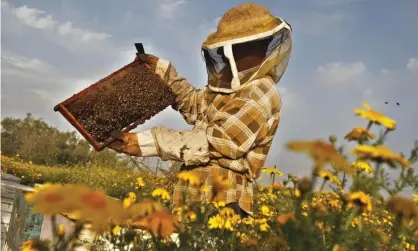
<point>34,140</point>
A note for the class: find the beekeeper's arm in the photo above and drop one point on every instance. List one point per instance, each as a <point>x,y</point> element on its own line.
<point>189,100</point>
<point>239,124</point>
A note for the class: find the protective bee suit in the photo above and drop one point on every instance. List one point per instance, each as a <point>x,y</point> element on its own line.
<point>235,116</point>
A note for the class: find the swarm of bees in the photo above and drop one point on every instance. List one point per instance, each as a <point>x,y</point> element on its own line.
<point>397,103</point>
<point>120,102</point>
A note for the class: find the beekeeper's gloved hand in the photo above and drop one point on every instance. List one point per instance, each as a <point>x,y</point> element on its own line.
<point>158,65</point>
<point>126,143</point>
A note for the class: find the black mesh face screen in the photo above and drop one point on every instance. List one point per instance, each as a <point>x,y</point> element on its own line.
<point>248,58</point>
<point>215,59</point>
<point>253,53</point>
<point>217,65</point>
<point>262,47</point>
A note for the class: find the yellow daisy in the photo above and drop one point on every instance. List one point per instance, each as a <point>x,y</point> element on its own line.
<point>355,134</point>
<point>375,117</point>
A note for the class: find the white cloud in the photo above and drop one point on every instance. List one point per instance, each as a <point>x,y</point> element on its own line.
<point>33,17</point>
<point>384,71</point>
<point>339,72</point>
<point>18,64</point>
<point>168,8</point>
<point>38,19</point>
<point>413,64</point>
<point>67,29</point>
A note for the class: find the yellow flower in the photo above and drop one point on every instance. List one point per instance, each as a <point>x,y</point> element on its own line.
<point>162,224</point>
<point>248,221</point>
<point>355,134</point>
<point>204,189</point>
<point>97,208</point>
<point>227,212</point>
<point>140,182</point>
<point>404,207</point>
<point>191,216</point>
<point>322,153</point>
<point>116,230</point>
<point>61,230</point>
<point>94,203</point>
<point>361,200</point>
<point>328,175</point>
<point>276,186</point>
<point>219,184</point>
<point>189,178</point>
<point>230,222</point>
<point>162,193</point>
<point>380,153</point>
<point>415,197</point>
<point>297,193</point>
<point>284,218</point>
<point>271,171</point>
<point>216,222</point>
<point>356,221</point>
<point>51,199</point>
<point>335,204</point>
<point>263,225</point>
<point>265,210</point>
<point>142,223</point>
<point>145,208</point>
<point>225,219</point>
<point>127,203</point>
<point>34,245</point>
<point>219,204</point>
<point>319,224</point>
<point>375,117</point>
<point>364,166</point>
<point>243,238</point>
<point>132,197</point>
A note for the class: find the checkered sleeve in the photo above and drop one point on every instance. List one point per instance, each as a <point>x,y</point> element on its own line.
<point>189,100</point>
<point>235,128</point>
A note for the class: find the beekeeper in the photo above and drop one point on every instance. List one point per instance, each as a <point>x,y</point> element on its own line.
<point>235,116</point>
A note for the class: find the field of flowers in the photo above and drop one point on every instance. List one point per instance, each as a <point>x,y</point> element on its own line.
<point>291,213</point>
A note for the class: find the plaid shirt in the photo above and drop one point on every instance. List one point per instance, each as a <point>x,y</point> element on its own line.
<point>240,128</point>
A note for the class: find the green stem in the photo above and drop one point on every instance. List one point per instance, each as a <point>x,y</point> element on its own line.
<point>369,126</point>
<point>156,243</point>
<point>350,218</point>
<point>54,229</point>
<point>313,179</point>
<point>396,232</point>
<point>377,170</point>
<point>343,181</point>
<point>363,134</point>
<point>357,180</point>
<point>338,230</point>
<point>322,185</point>
<point>381,138</point>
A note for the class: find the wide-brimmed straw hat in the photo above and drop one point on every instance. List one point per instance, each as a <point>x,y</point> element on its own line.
<point>242,21</point>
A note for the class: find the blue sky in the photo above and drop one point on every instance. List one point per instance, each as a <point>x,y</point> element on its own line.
<point>345,52</point>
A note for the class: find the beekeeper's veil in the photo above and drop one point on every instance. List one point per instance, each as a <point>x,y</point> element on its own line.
<point>247,23</point>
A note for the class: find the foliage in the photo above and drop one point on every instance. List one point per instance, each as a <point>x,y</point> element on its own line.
<point>290,214</point>
<point>115,180</point>
<point>34,140</point>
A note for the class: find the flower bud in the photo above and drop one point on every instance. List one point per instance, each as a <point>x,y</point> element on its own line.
<point>332,139</point>
<point>304,185</point>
